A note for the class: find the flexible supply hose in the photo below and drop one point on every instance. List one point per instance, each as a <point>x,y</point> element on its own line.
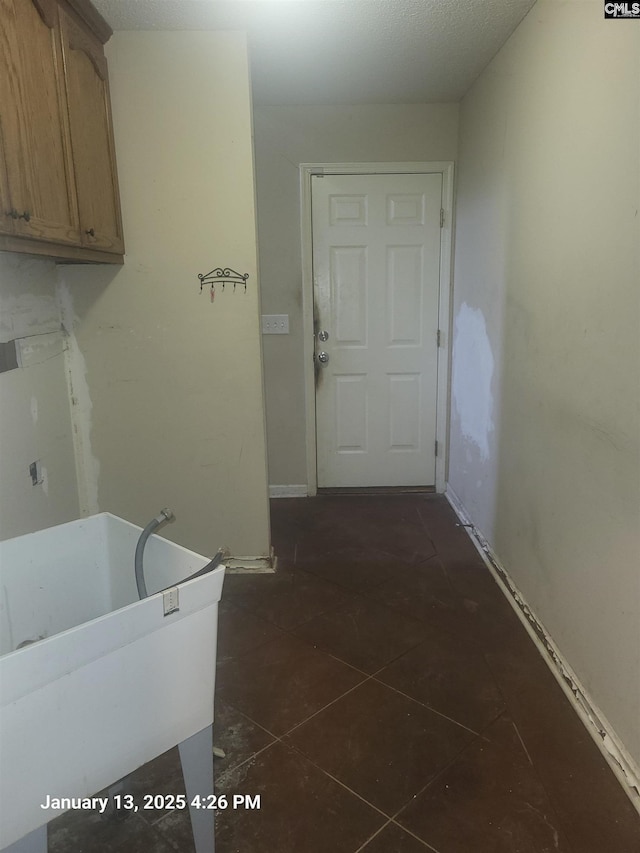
<point>154,524</point>
<point>221,555</point>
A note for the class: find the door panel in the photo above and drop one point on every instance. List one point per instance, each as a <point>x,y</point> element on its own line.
<point>349,295</point>
<point>376,265</point>
<point>404,411</point>
<point>351,413</point>
<point>405,265</point>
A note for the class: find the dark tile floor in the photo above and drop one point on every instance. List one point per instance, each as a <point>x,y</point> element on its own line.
<point>380,695</point>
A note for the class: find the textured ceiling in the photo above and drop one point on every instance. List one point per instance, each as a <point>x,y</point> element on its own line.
<point>345,51</point>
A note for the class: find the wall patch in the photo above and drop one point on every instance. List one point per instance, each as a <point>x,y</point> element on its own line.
<point>473,367</point>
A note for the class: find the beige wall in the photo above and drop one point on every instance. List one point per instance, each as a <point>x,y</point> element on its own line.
<point>35,422</point>
<point>284,138</point>
<point>170,407</point>
<point>546,374</point>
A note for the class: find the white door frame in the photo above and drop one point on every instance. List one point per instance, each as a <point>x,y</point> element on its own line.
<point>445,168</point>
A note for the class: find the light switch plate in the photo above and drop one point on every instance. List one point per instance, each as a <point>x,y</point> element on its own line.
<point>275,324</point>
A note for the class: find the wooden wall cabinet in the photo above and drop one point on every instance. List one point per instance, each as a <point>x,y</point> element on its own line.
<point>58,181</point>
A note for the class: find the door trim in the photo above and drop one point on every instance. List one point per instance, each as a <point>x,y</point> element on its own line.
<point>445,168</point>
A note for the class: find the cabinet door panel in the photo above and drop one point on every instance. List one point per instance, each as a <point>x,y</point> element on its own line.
<point>91,137</point>
<point>7,213</point>
<point>8,74</point>
<point>39,179</point>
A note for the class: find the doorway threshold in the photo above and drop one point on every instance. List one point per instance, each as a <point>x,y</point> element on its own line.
<point>378,490</point>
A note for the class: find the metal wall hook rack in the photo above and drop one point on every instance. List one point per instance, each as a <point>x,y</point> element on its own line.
<point>223,276</point>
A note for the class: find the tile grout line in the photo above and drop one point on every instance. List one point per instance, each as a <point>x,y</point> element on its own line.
<point>444,770</point>
<point>338,782</point>
<point>424,704</point>
<point>368,677</point>
<point>329,704</point>
<point>247,609</point>
<point>390,818</point>
<point>280,739</point>
<point>305,757</point>
<point>480,737</point>
<point>375,835</point>
<point>287,744</point>
<point>440,773</point>
<point>253,755</point>
<point>413,835</point>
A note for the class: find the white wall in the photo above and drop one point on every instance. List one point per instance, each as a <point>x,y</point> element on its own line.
<point>171,409</point>
<point>546,375</point>
<point>35,422</point>
<point>284,138</point>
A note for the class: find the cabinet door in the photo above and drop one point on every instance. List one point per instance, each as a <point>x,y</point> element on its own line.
<point>91,136</point>
<point>7,213</point>
<point>38,178</point>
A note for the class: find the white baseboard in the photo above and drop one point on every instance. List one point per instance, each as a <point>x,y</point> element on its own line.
<point>301,491</point>
<point>612,748</point>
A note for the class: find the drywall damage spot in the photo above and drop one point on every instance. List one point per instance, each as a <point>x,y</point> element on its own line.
<point>87,465</point>
<point>472,374</point>
<point>28,305</point>
<point>36,349</point>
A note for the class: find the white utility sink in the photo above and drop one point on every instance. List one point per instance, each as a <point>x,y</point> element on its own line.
<point>94,682</point>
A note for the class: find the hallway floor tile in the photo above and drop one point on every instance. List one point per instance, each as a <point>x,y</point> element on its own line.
<point>380,695</point>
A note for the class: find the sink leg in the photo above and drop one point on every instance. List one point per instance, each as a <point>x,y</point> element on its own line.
<point>34,842</point>
<point>196,757</point>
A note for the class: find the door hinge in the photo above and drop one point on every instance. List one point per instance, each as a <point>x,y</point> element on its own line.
<point>436,446</point>
<point>442,217</point>
<point>439,338</point>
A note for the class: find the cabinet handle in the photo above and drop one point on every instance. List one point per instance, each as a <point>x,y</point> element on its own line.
<point>12,213</point>
<point>91,232</point>
<point>26,216</point>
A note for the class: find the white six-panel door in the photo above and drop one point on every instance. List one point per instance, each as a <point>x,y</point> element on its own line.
<point>376,267</point>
